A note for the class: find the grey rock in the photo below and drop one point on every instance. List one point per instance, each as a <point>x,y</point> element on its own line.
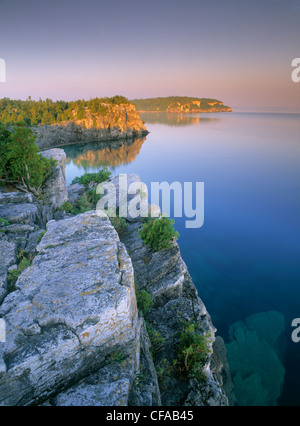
<point>206,394</point>
<point>33,241</point>
<point>145,390</point>
<point>19,229</point>
<point>12,268</point>
<point>75,191</point>
<point>221,370</point>
<point>165,277</point>
<point>110,386</point>
<point>73,308</point>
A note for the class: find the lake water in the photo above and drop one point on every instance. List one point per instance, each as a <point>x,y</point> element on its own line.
<point>245,260</point>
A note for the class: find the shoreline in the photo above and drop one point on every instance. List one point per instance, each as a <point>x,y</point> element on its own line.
<point>183,112</point>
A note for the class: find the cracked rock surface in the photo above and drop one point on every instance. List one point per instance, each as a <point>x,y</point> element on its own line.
<point>72,309</point>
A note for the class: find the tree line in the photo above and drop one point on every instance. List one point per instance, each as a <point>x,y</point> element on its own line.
<point>45,112</point>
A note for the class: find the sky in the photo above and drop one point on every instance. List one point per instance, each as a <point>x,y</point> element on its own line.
<point>236,51</point>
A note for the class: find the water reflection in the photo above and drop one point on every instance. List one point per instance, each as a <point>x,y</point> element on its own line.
<point>173,119</point>
<point>99,154</point>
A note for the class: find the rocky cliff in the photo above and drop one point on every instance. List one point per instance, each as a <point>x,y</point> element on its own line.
<point>74,335</point>
<point>118,122</point>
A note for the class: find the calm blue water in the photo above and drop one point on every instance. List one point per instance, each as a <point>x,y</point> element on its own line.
<point>245,260</point>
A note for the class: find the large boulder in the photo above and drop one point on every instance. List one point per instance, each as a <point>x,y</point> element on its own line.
<point>73,313</point>
<point>54,188</point>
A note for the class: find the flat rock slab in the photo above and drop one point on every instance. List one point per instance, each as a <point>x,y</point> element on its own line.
<point>16,197</point>
<point>108,387</point>
<point>73,307</point>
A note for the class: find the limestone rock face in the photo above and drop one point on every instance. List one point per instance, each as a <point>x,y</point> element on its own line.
<point>120,122</point>
<point>73,309</point>
<point>55,187</point>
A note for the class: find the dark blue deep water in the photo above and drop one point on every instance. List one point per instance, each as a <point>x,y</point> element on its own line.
<point>245,260</point>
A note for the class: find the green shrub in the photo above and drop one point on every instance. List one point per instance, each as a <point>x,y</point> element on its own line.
<point>143,299</point>
<point>156,339</point>
<point>120,224</point>
<point>21,164</point>
<point>117,357</point>
<point>67,207</point>
<point>193,351</point>
<point>85,203</point>
<point>13,275</point>
<point>158,233</point>
<point>40,237</point>
<point>101,176</point>
<point>4,222</point>
<point>93,197</point>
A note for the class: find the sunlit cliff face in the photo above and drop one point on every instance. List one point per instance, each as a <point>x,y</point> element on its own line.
<point>109,155</point>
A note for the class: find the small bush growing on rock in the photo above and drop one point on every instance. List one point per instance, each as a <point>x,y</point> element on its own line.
<point>158,233</point>
<point>120,224</point>
<point>92,196</point>
<point>143,300</point>
<point>67,207</point>
<point>13,275</point>
<point>4,222</point>
<point>193,351</point>
<point>117,357</point>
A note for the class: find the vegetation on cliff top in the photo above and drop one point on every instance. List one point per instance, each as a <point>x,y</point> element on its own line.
<point>33,113</point>
<point>179,104</point>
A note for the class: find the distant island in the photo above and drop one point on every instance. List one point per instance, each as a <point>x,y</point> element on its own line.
<point>180,104</point>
